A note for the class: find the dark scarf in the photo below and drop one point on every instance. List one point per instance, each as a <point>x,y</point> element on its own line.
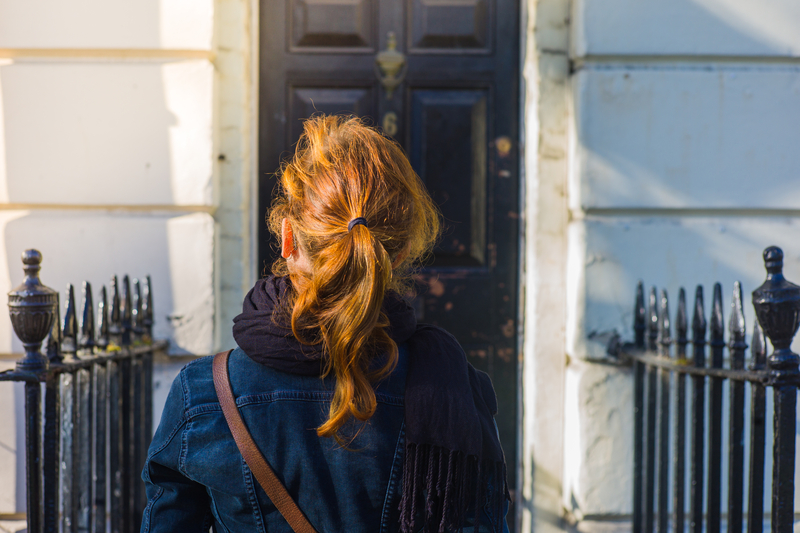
<point>452,452</point>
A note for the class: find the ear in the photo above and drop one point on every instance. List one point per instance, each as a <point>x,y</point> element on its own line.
<point>401,256</point>
<point>287,239</point>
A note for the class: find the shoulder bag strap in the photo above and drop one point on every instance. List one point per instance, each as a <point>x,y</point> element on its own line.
<point>258,465</point>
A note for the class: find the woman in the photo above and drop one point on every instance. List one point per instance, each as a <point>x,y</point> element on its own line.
<point>371,421</point>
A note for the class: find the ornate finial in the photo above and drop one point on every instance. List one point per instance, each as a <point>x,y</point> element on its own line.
<point>69,336</point>
<point>32,308</point>
<point>125,310</point>
<point>777,304</point>
<point>773,261</point>
<point>639,315</point>
<point>663,324</point>
<point>652,326</point>
<point>86,341</point>
<point>102,320</point>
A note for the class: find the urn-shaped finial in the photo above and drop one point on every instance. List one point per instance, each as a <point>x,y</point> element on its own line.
<point>32,307</point>
<point>777,303</point>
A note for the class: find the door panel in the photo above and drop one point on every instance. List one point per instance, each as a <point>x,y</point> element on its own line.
<point>448,150</point>
<point>449,26</point>
<point>333,26</point>
<point>455,113</point>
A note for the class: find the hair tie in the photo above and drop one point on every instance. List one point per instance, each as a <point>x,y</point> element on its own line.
<point>355,222</point>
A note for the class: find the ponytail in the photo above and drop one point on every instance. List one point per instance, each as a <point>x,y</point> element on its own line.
<point>357,209</point>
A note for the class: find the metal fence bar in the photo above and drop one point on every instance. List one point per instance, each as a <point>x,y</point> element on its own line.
<point>698,413</point>
<point>82,462</point>
<point>639,328</point>
<point>99,455</point>
<point>681,341</point>
<point>67,454</point>
<point>737,347</point>
<point>114,447</point>
<point>758,426</point>
<point>33,472</point>
<point>652,383</point>
<point>52,451</point>
<point>714,486</point>
<point>664,342</point>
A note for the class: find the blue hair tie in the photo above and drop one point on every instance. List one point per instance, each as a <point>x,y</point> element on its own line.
<point>356,222</point>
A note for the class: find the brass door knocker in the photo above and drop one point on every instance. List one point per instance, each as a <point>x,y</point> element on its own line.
<point>390,66</point>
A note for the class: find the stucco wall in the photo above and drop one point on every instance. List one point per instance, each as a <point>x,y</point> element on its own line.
<point>126,147</point>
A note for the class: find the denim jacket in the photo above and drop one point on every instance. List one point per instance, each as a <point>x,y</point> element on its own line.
<point>196,479</point>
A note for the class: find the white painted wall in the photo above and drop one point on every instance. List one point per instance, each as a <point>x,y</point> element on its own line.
<point>683,168</point>
<point>113,118</point>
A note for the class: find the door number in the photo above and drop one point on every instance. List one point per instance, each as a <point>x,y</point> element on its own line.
<point>390,123</point>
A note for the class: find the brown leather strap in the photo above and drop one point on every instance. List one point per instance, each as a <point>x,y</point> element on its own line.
<point>258,465</point>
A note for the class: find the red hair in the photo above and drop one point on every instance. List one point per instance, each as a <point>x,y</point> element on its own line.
<point>341,170</point>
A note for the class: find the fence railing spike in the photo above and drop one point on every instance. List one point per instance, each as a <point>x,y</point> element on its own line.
<point>736,323</point>
<point>639,315</point>
<point>663,322</point>
<point>69,332</point>
<point>652,320</point>
<point>102,320</point>
<point>717,324</point>
<point>136,310</point>
<point>54,339</point>
<point>125,310</point>
<point>681,323</point>
<point>86,341</point>
<point>147,308</point>
<point>699,324</point>
<point>115,316</point>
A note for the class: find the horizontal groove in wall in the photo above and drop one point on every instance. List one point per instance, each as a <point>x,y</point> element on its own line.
<point>107,54</point>
<point>634,60</point>
<point>682,212</point>
<point>154,208</point>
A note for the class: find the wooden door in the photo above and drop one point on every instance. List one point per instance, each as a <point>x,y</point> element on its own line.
<point>455,113</point>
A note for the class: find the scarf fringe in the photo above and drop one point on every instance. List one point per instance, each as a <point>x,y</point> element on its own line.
<point>441,486</point>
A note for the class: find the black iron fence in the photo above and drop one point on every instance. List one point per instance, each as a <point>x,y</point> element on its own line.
<point>661,366</point>
<point>85,455</point>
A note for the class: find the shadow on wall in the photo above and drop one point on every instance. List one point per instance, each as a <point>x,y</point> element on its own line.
<point>711,27</point>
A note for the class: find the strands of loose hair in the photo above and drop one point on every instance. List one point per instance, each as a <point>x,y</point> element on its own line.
<point>342,170</point>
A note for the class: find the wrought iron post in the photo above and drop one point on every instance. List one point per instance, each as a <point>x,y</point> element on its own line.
<point>777,302</point>
<point>33,309</point>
